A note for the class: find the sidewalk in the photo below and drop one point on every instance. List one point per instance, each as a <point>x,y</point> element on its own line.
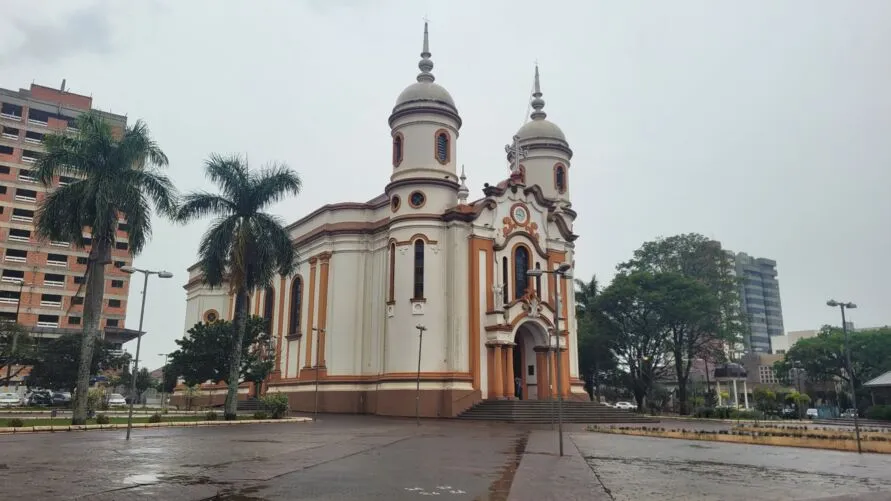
<point>544,476</point>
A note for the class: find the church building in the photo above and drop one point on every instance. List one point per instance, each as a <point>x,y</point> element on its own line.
<point>425,281</point>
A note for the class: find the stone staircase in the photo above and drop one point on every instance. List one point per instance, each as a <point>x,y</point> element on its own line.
<point>545,411</point>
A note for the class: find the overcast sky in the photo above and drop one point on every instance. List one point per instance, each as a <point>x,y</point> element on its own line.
<point>763,124</point>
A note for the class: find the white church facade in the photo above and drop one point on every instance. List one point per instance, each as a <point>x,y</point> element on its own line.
<point>423,254</point>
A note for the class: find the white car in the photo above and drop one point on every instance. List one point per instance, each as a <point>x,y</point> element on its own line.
<point>116,400</point>
<point>10,400</point>
<point>628,406</point>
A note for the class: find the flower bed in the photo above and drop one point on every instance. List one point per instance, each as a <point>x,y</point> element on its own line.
<point>872,439</point>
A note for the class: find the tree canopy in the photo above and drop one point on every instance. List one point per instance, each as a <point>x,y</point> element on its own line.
<point>56,366</point>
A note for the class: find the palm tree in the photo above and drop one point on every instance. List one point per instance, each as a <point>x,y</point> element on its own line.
<point>115,174</point>
<point>244,246</point>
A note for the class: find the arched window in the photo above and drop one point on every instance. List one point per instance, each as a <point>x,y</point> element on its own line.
<point>419,269</point>
<point>504,280</point>
<point>538,281</point>
<point>391,296</point>
<point>296,306</point>
<point>560,178</point>
<point>521,266</point>
<point>397,150</point>
<point>268,305</point>
<point>442,147</point>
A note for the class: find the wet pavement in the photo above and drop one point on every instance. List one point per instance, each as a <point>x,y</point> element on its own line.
<point>635,468</point>
<point>336,458</point>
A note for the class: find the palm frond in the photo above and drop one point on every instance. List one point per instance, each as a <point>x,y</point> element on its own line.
<point>199,204</point>
<point>230,173</point>
<point>158,187</point>
<point>62,214</point>
<point>277,247</point>
<point>137,145</point>
<point>272,184</point>
<point>215,250</point>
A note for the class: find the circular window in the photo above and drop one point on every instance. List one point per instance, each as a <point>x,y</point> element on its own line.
<point>417,199</point>
<point>395,202</point>
<point>211,316</point>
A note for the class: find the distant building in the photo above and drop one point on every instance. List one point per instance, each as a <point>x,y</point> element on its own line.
<point>759,300</point>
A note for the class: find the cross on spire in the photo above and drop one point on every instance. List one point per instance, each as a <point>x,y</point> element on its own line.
<point>515,154</point>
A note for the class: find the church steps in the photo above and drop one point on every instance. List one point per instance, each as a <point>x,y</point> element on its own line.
<point>544,411</point>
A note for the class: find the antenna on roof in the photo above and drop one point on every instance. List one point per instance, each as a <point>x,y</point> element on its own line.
<point>63,85</point>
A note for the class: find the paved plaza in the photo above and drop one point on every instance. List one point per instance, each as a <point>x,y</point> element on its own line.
<point>370,458</point>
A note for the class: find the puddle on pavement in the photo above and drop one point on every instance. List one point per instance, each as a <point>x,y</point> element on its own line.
<point>142,478</point>
<point>241,495</point>
<point>500,488</point>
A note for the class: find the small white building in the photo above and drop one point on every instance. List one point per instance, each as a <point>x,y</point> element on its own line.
<point>423,253</point>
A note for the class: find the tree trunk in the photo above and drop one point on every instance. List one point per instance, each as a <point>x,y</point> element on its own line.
<point>100,255</point>
<point>682,397</point>
<point>238,326</point>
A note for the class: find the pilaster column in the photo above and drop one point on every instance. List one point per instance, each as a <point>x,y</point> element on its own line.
<point>311,311</point>
<point>499,372</point>
<point>718,392</point>
<point>564,354</point>
<point>509,386</point>
<point>553,373</point>
<point>735,394</point>
<point>490,371</point>
<point>324,260</point>
<point>746,394</point>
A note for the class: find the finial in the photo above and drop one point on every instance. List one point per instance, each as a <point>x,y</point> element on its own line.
<point>463,191</point>
<point>537,102</point>
<point>426,64</point>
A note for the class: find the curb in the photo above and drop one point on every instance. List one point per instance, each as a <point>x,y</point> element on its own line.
<point>186,424</point>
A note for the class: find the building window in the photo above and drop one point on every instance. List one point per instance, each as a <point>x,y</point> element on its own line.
<point>81,260</point>
<point>211,316</point>
<point>121,245</point>
<point>114,303</point>
<point>391,295</point>
<point>111,322</point>
<point>538,281</point>
<point>395,202</point>
<point>419,269</point>
<point>397,149</point>
<point>117,264</point>
<point>268,307</point>
<point>80,280</point>
<point>417,199</point>
<point>560,178</point>
<point>442,147</point>
<point>521,266</point>
<point>504,274</point>
<point>77,300</point>
<point>74,320</point>
<point>117,284</point>
<point>296,305</point>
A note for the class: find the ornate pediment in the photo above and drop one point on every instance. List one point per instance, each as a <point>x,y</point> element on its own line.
<point>519,219</point>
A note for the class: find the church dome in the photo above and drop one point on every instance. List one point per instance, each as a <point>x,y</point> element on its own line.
<point>539,127</point>
<point>425,94</point>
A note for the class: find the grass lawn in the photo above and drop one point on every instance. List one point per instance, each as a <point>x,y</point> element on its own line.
<point>65,421</point>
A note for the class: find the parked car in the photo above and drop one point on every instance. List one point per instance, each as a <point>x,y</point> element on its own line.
<point>116,400</point>
<point>61,398</point>
<point>849,414</point>
<point>10,400</point>
<point>628,406</point>
<point>40,399</point>
<point>790,413</point>
<point>812,413</point>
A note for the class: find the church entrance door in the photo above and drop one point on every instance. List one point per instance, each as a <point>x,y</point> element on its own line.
<point>530,363</point>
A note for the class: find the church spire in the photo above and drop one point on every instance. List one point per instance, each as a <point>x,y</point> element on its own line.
<point>537,102</point>
<point>426,64</point>
<point>463,191</point>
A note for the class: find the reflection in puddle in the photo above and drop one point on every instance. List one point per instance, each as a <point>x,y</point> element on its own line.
<point>143,478</point>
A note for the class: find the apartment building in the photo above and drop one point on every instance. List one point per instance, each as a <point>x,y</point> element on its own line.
<point>40,281</point>
<point>759,300</point>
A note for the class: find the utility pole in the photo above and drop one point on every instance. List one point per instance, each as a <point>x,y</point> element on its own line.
<point>421,330</point>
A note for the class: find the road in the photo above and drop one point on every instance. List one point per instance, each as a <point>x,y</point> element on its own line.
<point>337,458</point>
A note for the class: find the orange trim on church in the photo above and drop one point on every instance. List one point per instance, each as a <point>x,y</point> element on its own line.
<point>311,312</point>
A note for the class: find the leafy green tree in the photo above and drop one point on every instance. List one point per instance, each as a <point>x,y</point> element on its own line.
<point>765,400</point>
<point>17,351</point>
<point>704,310</point>
<point>58,364</point>
<point>245,246</point>
<point>204,354</point>
<point>632,309</point>
<point>596,357</point>
<point>115,174</point>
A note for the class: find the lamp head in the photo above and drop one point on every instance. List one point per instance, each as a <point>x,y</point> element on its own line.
<point>420,327</point>
<point>563,268</point>
<point>534,273</point>
<point>850,306</point>
<point>128,269</point>
<point>165,274</point>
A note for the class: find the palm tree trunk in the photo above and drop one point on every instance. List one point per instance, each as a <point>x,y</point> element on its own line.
<point>240,321</point>
<point>100,255</point>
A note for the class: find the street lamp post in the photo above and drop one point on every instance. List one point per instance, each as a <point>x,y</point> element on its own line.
<point>560,272</point>
<point>421,330</point>
<point>842,306</point>
<point>15,336</point>
<point>146,273</point>
<point>164,383</point>
<point>315,410</point>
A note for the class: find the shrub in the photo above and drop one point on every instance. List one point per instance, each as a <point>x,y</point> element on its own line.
<point>102,419</point>
<point>261,415</point>
<point>211,416</point>
<point>15,423</point>
<point>879,412</point>
<point>704,412</point>
<point>95,399</point>
<point>154,418</point>
<point>741,414</point>
<point>276,404</point>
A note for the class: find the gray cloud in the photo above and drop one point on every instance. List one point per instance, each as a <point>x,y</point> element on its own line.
<point>86,30</point>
